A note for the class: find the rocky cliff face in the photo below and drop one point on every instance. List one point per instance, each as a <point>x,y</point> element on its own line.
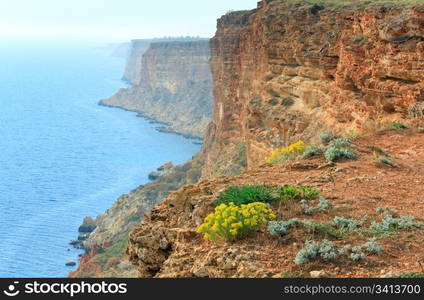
<point>173,84</point>
<point>286,72</point>
<point>132,71</point>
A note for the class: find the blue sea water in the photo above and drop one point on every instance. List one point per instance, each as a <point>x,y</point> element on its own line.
<point>63,157</point>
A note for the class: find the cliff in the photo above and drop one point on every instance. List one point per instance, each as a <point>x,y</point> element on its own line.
<point>289,71</point>
<point>173,85</point>
<point>132,72</point>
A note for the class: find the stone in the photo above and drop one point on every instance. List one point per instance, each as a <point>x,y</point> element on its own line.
<point>319,274</point>
<point>88,225</point>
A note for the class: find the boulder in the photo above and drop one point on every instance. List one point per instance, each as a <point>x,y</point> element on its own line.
<point>88,225</point>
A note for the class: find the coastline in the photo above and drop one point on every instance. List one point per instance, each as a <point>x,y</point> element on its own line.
<point>85,230</point>
<point>165,126</point>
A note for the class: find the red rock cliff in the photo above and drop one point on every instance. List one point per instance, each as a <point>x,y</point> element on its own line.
<point>285,72</point>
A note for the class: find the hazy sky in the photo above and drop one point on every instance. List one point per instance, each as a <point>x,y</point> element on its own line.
<point>114,20</point>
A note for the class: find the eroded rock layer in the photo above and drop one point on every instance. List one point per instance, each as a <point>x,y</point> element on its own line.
<point>286,72</point>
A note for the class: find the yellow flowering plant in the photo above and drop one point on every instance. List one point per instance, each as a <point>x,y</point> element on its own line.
<point>290,152</point>
<point>231,222</point>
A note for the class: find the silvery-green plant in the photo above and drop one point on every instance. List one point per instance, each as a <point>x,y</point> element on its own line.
<point>348,224</point>
<point>322,206</point>
<point>280,228</point>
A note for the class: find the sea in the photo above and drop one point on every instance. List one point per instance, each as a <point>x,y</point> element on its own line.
<point>62,156</point>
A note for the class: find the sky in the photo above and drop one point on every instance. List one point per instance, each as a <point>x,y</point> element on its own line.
<point>114,20</point>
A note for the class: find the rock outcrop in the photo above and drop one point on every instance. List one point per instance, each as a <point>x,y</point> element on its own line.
<point>163,170</point>
<point>290,71</point>
<point>172,84</point>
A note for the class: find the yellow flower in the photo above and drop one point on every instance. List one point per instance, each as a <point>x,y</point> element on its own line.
<point>230,221</point>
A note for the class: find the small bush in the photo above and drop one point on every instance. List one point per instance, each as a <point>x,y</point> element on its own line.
<point>247,194</point>
<point>231,222</point>
<point>312,151</point>
<point>322,206</point>
<point>307,254</point>
<point>309,192</point>
<point>333,154</point>
<point>390,223</point>
<point>398,126</point>
<point>291,152</point>
<point>372,247</point>
<point>327,137</point>
<point>289,192</point>
<point>328,251</point>
<point>340,143</point>
<point>348,224</point>
<point>421,129</point>
<point>280,228</point>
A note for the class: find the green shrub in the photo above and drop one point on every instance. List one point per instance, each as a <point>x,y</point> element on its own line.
<point>312,151</point>
<point>280,228</point>
<point>322,206</point>
<point>333,154</point>
<point>390,223</point>
<point>328,251</point>
<point>348,224</point>
<point>421,129</point>
<point>307,254</point>
<point>327,137</point>
<point>340,143</point>
<point>247,194</point>
<point>309,192</point>
<point>289,192</point>
<point>398,126</point>
<point>231,222</point>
